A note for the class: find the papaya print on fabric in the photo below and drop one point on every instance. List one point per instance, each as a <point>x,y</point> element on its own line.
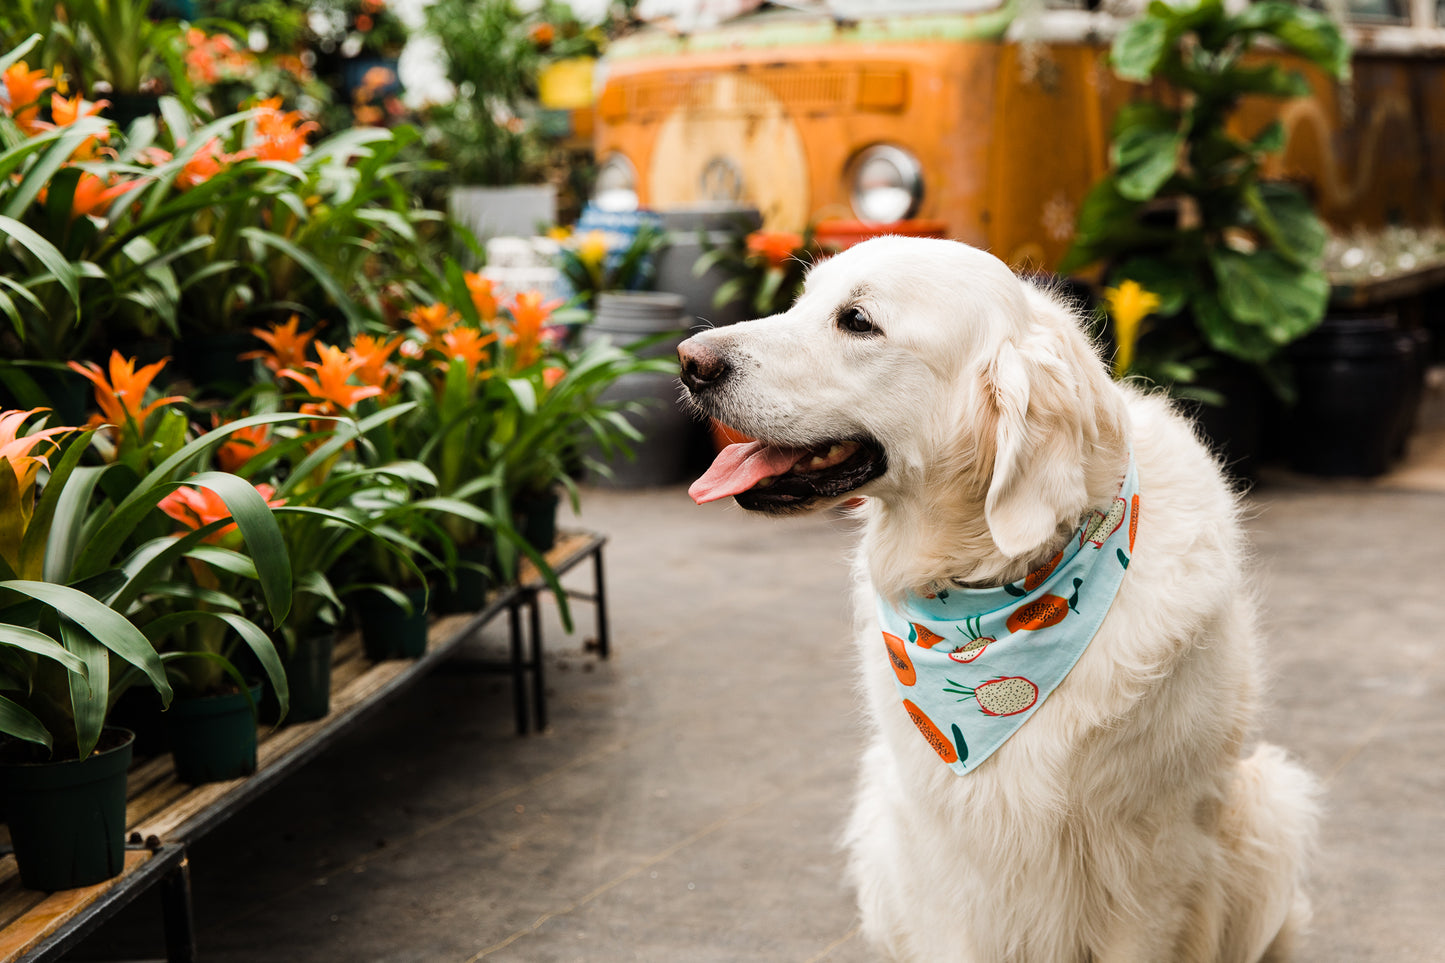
<point>972,666</point>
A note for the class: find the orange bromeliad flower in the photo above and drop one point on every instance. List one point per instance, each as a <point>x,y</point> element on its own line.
<point>279,135</point>
<point>243,445</point>
<point>204,164</point>
<point>529,313</point>
<point>198,507</point>
<point>121,397</point>
<point>373,366</point>
<point>484,296</point>
<point>467,345</point>
<point>332,373</point>
<point>551,375</point>
<point>288,346</point>
<point>23,87</point>
<point>93,196</point>
<point>67,111</point>
<point>16,449</point>
<point>433,319</point>
<point>776,246</point>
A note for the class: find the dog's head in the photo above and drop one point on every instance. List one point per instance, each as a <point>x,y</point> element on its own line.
<point>921,372</point>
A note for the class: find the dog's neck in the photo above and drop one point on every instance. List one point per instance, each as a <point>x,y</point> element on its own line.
<point>917,545</point>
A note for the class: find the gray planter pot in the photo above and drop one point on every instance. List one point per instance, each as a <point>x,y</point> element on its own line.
<point>664,455</point>
<point>685,228</point>
<point>519,209</point>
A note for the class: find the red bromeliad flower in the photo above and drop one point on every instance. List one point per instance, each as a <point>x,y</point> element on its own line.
<point>529,313</point>
<point>467,345</point>
<point>373,365</point>
<point>776,246</point>
<point>288,346</point>
<point>332,374</point>
<point>121,398</point>
<point>197,507</point>
<point>93,196</point>
<point>242,445</point>
<point>279,135</point>
<point>23,87</point>
<point>433,319</point>
<point>484,296</point>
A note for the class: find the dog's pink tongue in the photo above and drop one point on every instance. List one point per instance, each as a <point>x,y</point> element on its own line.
<point>739,467</point>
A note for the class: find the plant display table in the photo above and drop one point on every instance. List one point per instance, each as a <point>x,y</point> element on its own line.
<point>165,815</point>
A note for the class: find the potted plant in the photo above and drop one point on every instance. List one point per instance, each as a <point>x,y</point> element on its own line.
<point>202,621</point>
<point>487,136</point>
<point>1186,212</point>
<point>78,574</point>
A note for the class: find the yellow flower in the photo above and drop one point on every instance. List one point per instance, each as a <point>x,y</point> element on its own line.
<point>592,249</point>
<point>1128,305</point>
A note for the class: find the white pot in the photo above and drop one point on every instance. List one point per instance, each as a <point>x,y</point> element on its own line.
<point>520,209</point>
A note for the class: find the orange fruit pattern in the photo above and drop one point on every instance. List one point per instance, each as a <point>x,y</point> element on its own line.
<point>1041,613</point>
<point>898,657</point>
<point>926,636</point>
<point>935,737</point>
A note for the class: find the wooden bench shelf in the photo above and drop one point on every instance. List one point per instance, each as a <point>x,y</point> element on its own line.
<point>164,815</point>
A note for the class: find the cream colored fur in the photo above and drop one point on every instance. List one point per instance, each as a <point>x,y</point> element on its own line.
<point>1127,820</point>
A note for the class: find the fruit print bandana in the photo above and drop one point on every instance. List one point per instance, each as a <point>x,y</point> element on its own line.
<point>973,665</point>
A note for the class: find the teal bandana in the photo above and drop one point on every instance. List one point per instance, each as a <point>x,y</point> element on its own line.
<point>974,664</point>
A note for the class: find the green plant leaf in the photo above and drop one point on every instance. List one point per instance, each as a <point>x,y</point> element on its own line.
<point>1139,48</point>
<point>88,693</point>
<point>264,542</point>
<point>41,644</point>
<point>1285,216</point>
<point>71,513</point>
<point>19,722</point>
<point>1145,150</point>
<point>106,626</point>
<point>315,268</point>
<point>13,56</point>
<point>47,254</point>
<point>1266,291</point>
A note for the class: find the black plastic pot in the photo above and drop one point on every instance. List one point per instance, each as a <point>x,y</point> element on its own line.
<point>473,579</point>
<point>1236,431</point>
<point>213,738</point>
<point>538,524</point>
<point>1353,376</point>
<point>388,631</point>
<point>67,819</point>
<point>308,675</point>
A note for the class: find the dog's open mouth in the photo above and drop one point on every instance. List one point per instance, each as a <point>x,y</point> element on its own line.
<point>774,478</point>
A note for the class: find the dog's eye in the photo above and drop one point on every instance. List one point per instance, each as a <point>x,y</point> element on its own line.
<point>854,320</point>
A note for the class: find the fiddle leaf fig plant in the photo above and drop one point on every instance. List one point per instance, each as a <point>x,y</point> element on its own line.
<point>1184,210</point>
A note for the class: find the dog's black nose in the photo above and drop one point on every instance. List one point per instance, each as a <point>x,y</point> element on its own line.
<point>702,367</point>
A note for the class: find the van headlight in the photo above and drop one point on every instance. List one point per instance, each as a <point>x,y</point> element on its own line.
<point>616,188</point>
<point>885,184</point>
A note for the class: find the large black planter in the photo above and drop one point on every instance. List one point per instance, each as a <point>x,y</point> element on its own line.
<point>67,819</point>
<point>1355,382</point>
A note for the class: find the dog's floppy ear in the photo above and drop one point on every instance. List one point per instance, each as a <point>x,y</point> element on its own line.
<point>1038,477</point>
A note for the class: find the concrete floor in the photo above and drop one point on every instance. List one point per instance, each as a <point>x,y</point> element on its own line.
<point>685,802</point>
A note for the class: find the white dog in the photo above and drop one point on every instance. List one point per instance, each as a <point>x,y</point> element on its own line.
<point>1123,821</point>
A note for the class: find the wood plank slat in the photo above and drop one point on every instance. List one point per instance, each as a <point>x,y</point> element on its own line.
<point>47,916</point>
